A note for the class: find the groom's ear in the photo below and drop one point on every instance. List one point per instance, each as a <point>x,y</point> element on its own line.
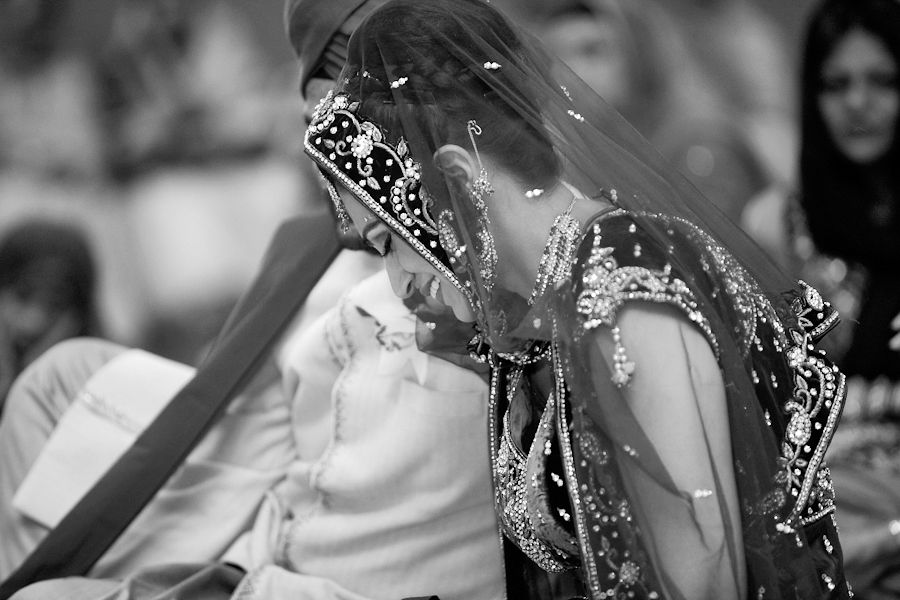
<point>456,162</point>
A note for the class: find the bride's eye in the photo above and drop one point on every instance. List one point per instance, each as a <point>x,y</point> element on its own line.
<point>380,242</point>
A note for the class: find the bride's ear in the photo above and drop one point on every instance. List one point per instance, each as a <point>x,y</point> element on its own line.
<point>456,162</point>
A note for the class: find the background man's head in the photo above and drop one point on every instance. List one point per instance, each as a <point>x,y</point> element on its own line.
<point>319,31</point>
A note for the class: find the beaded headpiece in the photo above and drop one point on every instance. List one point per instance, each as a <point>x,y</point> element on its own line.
<point>353,151</point>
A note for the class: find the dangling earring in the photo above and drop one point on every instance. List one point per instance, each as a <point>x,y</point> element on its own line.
<point>487,253</point>
<point>343,217</point>
<point>481,187</point>
<point>487,257</point>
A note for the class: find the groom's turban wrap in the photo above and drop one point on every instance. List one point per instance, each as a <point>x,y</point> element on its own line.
<point>319,31</point>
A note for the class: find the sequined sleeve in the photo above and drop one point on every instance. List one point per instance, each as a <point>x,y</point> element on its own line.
<point>800,390</point>
<point>784,396</point>
<point>617,263</point>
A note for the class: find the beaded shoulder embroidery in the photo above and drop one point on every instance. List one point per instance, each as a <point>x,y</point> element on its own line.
<point>618,263</point>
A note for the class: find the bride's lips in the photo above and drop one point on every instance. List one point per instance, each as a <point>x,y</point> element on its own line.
<point>431,290</point>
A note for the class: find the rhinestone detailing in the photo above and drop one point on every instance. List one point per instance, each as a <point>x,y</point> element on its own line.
<point>622,367</point>
<point>556,261</point>
<point>514,483</point>
<point>809,393</point>
<point>606,286</point>
<point>385,178</point>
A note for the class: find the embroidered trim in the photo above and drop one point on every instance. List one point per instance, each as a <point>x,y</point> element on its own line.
<point>814,314</point>
<point>818,398</point>
<point>511,482</point>
<point>598,508</point>
<point>353,150</point>
<point>607,286</point>
<point>324,463</point>
<point>587,554</point>
<point>823,498</point>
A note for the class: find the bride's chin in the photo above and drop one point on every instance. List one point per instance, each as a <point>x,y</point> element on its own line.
<point>438,304</point>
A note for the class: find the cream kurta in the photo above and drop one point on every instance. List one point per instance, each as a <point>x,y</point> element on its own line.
<point>390,495</point>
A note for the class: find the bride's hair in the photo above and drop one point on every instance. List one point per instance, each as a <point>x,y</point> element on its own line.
<point>439,55</point>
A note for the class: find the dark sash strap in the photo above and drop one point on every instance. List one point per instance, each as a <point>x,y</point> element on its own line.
<point>300,253</point>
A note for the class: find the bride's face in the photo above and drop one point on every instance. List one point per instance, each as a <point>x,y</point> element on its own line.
<point>408,271</point>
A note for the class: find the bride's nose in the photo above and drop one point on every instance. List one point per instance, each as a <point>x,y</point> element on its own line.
<point>402,281</point>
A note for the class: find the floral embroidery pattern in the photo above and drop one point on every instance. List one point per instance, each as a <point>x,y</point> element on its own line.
<point>819,390</point>
<point>606,287</point>
<point>385,178</point>
<point>818,387</point>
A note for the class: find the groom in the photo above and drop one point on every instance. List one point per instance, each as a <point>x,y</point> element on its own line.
<point>319,31</point>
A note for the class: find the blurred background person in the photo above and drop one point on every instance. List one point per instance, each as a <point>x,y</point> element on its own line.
<point>839,228</point>
<point>49,122</point>
<point>184,83</point>
<point>636,56</point>
<point>47,293</point>
<point>849,175</point>
<point>161,128</point>
<point>195,116</point>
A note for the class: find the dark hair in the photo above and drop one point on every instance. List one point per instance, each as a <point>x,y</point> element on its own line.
<point>40,248</point>
<point>439,46</point>
<point>826,175</point>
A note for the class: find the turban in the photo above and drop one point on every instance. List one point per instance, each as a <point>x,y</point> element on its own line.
<point>319,31</point>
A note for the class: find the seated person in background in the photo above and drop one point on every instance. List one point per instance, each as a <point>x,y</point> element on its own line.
<point>387,491</point>
<point>47,293</point>
<point>845,215</point>
<point>638,57</point>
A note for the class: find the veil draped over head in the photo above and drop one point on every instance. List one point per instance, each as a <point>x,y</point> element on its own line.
<point>423,74</point>
<point>536,117</point>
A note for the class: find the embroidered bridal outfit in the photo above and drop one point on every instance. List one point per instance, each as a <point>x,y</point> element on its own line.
<point>582,487</point>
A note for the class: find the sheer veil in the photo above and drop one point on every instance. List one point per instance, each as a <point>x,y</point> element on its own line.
<point>540,104</point>
<point>422,71</point>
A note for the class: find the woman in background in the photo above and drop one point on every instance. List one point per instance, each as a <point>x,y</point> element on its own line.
<point>850,201</point>
<point>850,154</point>
<point>635,55</point>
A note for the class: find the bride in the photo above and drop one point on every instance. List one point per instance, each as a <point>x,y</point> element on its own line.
<point>659,408</point>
